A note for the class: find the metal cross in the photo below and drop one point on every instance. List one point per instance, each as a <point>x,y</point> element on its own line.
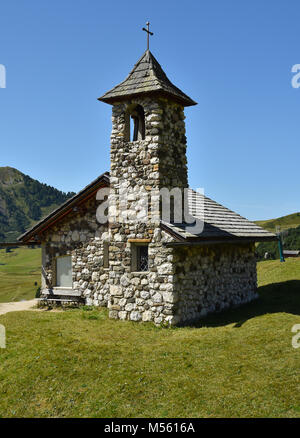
<point>148,33</point>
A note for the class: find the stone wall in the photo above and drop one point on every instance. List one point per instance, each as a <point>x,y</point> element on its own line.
<point>212,278</point>
<point>142,296</point>
<point>142,168</point>
<point>80,236</point>
<point>160,159</point>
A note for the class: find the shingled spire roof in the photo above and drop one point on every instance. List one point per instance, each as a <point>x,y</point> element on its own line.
<point>146,77</point>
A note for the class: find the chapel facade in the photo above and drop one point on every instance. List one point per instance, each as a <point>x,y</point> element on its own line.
<point>142,264</point>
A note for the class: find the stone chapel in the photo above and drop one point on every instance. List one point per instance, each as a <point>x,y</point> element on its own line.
<point>158,270</point>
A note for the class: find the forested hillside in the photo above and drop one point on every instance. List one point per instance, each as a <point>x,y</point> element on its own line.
<point>290,240</point>
<point>289,228</point>
<point>23,201</point>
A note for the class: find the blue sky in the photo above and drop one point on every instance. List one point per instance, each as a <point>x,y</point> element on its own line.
<point>233,57</point>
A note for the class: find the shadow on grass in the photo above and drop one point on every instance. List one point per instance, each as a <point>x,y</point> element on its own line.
<point>273,298</point>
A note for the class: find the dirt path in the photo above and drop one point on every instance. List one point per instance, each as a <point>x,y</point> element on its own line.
<point>19,305</point>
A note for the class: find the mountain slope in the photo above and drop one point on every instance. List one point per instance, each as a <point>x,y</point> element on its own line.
<point>284,222</point>
<point>23,201</point>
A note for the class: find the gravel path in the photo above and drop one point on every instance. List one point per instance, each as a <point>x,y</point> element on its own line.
<point>15,306</point>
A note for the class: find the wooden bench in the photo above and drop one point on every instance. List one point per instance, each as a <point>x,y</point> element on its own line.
<point>60,300</point>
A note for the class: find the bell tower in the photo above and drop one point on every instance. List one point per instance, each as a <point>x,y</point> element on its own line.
<point>148,153</point>
<point>148,142</point>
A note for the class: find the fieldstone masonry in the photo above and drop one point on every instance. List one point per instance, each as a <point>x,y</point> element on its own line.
<point>213,278</point>
<point>142,296</point>
<point>137,168</point>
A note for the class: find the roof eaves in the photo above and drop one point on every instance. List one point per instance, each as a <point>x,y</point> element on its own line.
<point>204,242</point>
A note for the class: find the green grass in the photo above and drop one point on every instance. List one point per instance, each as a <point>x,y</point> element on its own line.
<point>78,363</point>
<point>272,271</point>
<point>19,270</point>
<point>285,222</point>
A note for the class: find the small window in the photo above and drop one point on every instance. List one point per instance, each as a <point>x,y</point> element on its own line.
<point>64,271</point>
<point>139,123</point>
<point>140,258</point>
<point>105,254</point>
<point>135,123</point>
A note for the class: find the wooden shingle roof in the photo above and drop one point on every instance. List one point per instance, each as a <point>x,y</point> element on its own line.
<point>147,77</point>
<point>220,223</point>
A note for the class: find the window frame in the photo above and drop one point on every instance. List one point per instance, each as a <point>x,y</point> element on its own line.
<point>56,271</point>
<point>136,114</point>
<point>105,255</point>
<point>135,256</point>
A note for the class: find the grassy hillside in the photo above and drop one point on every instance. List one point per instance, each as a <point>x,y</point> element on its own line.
<point>276,274</point>
<point>236,364</point>
<point>20,269</point>
<point>285,222</point>
<point>24,201</point>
